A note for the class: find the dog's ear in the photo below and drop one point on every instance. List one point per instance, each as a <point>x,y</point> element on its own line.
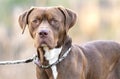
<point>23,19</point>
<point>70,17</point>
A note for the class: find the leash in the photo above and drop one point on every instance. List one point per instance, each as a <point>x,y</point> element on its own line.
<point>31,59</point>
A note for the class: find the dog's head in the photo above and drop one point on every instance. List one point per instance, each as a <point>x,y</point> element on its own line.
<point>48,26</point>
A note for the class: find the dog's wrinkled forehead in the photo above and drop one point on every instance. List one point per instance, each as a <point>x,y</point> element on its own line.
<point>46,13</point>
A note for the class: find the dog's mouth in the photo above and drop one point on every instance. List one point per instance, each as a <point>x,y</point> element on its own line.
<point>45,42</point>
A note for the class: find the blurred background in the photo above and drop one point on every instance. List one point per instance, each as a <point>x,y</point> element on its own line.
<point>97,20</point>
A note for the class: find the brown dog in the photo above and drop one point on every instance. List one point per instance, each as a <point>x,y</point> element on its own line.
<point>58,58</point>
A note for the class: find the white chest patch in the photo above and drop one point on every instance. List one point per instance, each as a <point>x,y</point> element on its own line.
<point>52,56</point>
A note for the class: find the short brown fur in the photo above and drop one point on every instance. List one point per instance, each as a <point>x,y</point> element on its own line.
<point>49,26</point>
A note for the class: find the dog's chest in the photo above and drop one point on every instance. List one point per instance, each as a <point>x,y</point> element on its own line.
<point>52,57</point>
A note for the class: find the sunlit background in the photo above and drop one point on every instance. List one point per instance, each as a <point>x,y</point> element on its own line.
<point>96,20</point>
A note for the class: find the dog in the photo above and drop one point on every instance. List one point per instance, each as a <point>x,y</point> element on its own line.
<point>58,58</point>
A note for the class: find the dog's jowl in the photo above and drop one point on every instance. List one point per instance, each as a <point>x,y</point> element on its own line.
<point>58,58</point>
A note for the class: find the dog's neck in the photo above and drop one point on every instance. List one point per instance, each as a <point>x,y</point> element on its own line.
<point>49,56</point>
<point>46,54</point>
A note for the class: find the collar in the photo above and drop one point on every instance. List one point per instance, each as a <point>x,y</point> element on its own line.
<point>37,62</point>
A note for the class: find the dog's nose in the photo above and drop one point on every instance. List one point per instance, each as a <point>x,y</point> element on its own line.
<point>43,33</point>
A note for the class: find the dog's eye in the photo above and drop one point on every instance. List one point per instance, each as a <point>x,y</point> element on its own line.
<point>53,21</point>
<point>36,21</point>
